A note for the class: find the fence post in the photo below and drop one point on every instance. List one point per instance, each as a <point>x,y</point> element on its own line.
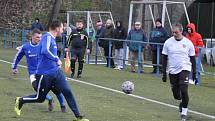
<point>9,38</point>
<point>63,45</point>
<point>124,54</point>
<point>158,60</point>
<point>109,53</point>
<point>198,66</point>
<point>15,38</point>
<point>5,39</point>
<point>23,36</point>
<point>139,58</point>
<point>97,48</point>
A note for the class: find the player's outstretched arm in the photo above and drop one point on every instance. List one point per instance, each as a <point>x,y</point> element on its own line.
<point>17,59</point>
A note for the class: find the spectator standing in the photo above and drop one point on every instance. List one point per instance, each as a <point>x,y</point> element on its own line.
<point>37,25</point>
<point>157,35</point>
<point>197,41</point>
<point>136,34</point>
<point>119,33</point>
<point>107,33</point>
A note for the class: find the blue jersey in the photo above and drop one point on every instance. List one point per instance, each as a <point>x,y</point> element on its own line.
<point>30,51</point>
<point>47,61</point>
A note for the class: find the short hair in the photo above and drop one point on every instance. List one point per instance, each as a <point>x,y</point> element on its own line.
<point>36,31</point>
<point>54,24</point>
<point>37,19</point>
<point>80,21</point>
<point>178,25</point>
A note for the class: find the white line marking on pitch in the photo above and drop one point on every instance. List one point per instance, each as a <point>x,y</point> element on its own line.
<point>135,96</point>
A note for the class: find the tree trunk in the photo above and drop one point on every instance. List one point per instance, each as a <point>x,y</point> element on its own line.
<point>55,11</point>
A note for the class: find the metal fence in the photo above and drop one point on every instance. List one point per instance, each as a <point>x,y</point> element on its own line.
<point>12,38</point>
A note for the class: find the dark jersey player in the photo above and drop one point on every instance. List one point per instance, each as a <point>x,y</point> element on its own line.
<point>78,42</point>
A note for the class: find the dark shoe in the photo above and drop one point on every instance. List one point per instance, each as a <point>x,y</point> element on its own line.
<point>50,105</point>
<point>141,71</point>
<point>79,76</point>
<point>132,71</point>
<point>154,71</point>
<point>72,75</point>
<point>63,109</point>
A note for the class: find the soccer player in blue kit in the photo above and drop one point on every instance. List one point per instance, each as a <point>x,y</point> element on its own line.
<point>30,50</point>
<point>49,73</point>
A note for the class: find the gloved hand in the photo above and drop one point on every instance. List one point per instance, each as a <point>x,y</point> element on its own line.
<point>164,78</point>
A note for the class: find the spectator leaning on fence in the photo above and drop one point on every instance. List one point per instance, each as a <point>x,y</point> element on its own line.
<point>119,33</point>
<point>108,33</point>
<point>136,34</point>
<point>157,35</point>
<point>37,25</point>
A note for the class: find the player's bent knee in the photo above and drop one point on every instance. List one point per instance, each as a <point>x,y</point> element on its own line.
<point>41,99</point>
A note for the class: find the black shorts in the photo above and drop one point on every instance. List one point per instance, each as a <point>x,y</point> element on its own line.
<point>181,78</point>
<point>53,89</point>
<point>77,54</point>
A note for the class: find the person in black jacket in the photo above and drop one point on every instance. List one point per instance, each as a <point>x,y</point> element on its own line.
<point>157,35</point>
<point>106,32</point>
<point>119,33</point>
<point>78,42</point>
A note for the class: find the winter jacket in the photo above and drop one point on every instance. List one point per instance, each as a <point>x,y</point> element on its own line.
<point>37,26</point>
<point>195,37</point>
<point>100,34</point>
<point>119,33</point>
<point>108,33</point>
<point>158,35</point>
<point>136,35</point>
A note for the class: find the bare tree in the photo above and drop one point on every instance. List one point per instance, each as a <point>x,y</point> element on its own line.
<point>55,11</point>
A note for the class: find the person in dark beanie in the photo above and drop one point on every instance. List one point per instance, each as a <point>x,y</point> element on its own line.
<point>157,35</point>
<point>119,33</point>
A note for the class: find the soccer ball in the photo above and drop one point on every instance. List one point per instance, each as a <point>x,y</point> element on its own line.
<point>127,87</point>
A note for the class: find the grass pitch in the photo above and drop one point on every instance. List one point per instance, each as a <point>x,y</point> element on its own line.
<point>102,105</point>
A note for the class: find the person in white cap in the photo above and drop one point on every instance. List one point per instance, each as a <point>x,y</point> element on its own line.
<point>136,34</point>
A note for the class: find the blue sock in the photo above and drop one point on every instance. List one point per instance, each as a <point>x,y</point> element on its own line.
<point>60,98</point>
<point>48,97</point>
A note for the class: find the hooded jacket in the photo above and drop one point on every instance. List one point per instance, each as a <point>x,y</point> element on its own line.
<point>195,37</point>
<point>119,33</point>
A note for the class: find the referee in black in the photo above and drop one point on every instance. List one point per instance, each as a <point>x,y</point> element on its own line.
<point>78,43</point>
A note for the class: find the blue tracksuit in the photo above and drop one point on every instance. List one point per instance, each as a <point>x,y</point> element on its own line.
<point>31,51</point>
<point>49,75</point>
